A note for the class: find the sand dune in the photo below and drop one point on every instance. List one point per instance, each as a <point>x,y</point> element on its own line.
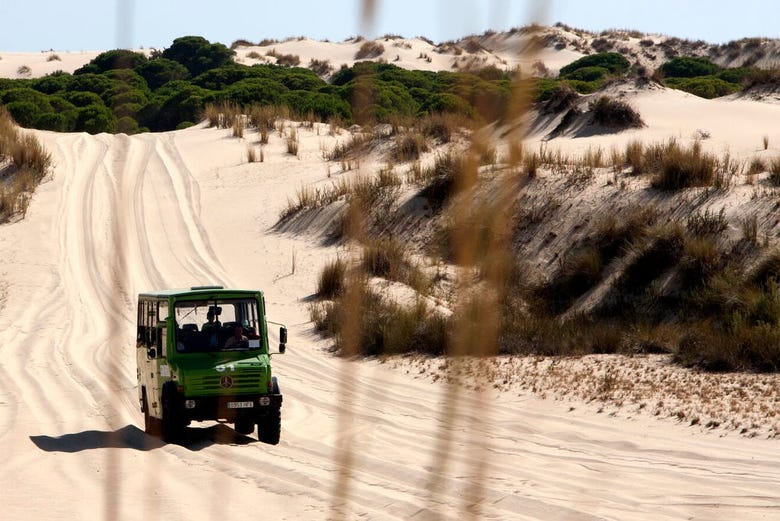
<point>125,214</point>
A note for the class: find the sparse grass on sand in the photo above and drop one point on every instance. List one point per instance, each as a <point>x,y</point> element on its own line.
<point>628,272</point>
<point>649,385</point>
<point>23,162</point>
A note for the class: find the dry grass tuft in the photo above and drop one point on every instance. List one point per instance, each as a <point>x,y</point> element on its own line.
<point>369,49</point>
<point>408,146</point>
<point>613,113</point>
<point>332,279</point>
<point>29,164</point>
<point>292,142</point>
<point>321,67</point>
<point>224,115</point>
<point>685,167</point>
<point>358,144</point>
<point>238,126</point>
<point>635,157</point>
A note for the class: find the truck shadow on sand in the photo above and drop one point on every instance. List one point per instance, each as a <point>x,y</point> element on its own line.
<point>131,437</point>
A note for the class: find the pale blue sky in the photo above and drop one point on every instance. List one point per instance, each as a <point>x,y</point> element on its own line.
<point>74,25</point>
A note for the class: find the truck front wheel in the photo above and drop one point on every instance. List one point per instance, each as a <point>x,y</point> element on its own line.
<point>244,425</point>
<point>171,423</point>
<point>269,428</point>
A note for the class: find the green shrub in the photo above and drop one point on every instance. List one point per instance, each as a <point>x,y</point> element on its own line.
<point>127,96</point>
<point>584,87</point>
<point>324,106</point>
<point>197,54</point>
<point>95,119</point>
<point>546,88</point>
<point>447,103</point>
<point>184,103</point>
<point>83,99</point>
<point>735,75</point>
<point>587,74</point>
<point>127,125</point>
<point>705,86</point>
<point>25,113</point>
<point>160,71</point>
<point>53,83</point>
<point>109,60</point>
<point>614,62</point>
<point>124,80</point>
<point>161,92</point>
<point>262,91</point>
<point>688,67</point>
<point>53,121</point>
<point>95,83</point>
<point>40,100</point>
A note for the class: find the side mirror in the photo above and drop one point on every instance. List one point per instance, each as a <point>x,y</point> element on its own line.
<point>282,339</point>
<point>151,352</point>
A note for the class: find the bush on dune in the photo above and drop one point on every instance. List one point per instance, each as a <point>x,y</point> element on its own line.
<point>688,67</point>
<point>29,164</point>
<point>705,87</point>
<point>614,62</point>
<point>609,112</point>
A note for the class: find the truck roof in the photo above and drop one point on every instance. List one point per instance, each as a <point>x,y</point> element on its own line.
<point>199,290</point>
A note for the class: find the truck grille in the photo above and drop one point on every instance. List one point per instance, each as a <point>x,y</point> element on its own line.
<point>229,382</point>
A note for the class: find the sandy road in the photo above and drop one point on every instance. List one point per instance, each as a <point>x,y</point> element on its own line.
<point>126,214</point>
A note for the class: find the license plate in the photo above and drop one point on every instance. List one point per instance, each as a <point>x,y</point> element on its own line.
<point>240,405</point>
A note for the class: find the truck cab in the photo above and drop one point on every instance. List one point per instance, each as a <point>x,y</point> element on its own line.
<point>203,354</point>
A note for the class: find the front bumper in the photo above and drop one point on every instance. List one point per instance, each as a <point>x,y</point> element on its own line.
<point>229,407</point>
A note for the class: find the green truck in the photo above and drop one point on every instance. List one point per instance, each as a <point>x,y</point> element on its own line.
<point>203,354</point>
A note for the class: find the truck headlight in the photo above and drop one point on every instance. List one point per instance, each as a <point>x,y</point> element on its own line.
<point>189,404</point>
<point>264,400</point>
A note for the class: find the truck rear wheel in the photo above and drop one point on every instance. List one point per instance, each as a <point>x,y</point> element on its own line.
<point>244,425</point>
<point>269,428</point>
<point>151,424</point>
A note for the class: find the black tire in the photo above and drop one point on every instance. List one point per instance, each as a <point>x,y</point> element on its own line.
<point>244,425</point>
<point>171,423</point>
<point>269,428</point>
<point>151,424</point>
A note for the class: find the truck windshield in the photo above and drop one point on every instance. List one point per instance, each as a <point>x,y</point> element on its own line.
<point>217,325</point>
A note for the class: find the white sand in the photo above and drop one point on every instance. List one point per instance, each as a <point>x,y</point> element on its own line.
<point>123,214</point>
